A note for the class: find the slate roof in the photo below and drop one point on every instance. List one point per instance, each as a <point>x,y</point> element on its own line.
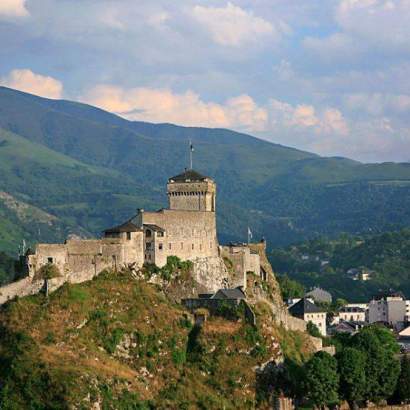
<point>187,176</point>
<point>236,293</point>
<point>320,295</point>
<point>304,306</point>
<point>125,227</point>
<point>154,227</point>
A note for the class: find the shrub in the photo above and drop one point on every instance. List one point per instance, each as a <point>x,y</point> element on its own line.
<point>48,271</point>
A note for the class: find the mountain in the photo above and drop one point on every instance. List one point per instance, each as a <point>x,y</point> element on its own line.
<point>90,169</point>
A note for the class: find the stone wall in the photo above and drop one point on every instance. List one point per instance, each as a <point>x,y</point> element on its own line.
<point>242,260</point>
<point>188,234</point>
<point>211,273</point>
<point>80,260</point>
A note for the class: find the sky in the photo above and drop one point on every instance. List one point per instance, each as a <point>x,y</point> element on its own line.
<point>327,76</point>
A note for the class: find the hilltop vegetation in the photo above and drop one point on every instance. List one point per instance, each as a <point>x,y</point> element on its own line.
<point>121,343</point>
<point>90,169</point>
<point>323,262</point>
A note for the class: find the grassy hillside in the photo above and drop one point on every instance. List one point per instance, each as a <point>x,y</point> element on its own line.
<point>91,169</point>
<point>121,343</point>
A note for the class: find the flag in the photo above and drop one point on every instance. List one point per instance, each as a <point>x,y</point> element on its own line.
<point>250,236</point>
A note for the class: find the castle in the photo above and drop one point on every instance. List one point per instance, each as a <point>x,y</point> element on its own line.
<point>186,229</point>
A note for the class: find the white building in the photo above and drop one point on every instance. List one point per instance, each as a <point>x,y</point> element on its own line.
<point>309,312</point>
<point>390,308</point>
<point>352,314</point>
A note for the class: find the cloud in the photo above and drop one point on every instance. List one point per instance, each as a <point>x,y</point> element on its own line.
<point>232,25</point>
<point>163,105</point>
<point>13,8</point>
<point>26,80</point>
<point>365,28</point>
<point>240,113</point>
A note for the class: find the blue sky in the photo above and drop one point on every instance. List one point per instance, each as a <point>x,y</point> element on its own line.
<point>328,76</point>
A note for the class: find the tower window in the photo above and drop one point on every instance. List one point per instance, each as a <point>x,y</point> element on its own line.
<point>50,260</point>
<point>170,246</point>
<point>128,236</point>
<point>148,233</point>
<point>160,246</point>
<point>193,246</point>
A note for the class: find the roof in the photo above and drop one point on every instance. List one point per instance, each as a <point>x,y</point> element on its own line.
<point>320,295</point>
<point>236,293</point>
<point>352,309</point>
<point>154,227</point>
<point>125,227</point>
<point>304,306</point>
<point>187,176</point>
<point>390,294</point>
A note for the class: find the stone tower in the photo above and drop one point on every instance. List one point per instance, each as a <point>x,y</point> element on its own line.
<point>191,191</point>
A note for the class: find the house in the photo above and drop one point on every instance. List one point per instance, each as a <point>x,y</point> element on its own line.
<point>309,312</point>
<point>352,313</point>
<point>319,295</point>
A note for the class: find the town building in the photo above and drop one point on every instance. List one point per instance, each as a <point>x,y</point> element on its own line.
<point>352,313</point>
<point>309,312</point>
<point>388,307</point>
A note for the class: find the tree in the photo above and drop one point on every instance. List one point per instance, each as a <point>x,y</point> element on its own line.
<point>290,288</point>
<point>313,330</point>
<point>351,364</point>
<point>382,368</point>
<point>321,379</point>
<point>402,394</point>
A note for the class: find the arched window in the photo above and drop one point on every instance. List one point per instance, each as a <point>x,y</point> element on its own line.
<point>148,233</point>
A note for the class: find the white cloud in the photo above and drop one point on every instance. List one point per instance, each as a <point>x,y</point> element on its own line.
<point>13,8</point>
<point>26,80</point>
<point>162,105</point>
<point>234,26</point>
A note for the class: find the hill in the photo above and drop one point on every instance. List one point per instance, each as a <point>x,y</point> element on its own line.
<point>119,343</point>
<point>325,263</point>
<point>90,169</point>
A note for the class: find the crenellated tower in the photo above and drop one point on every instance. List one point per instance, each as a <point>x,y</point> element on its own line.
<point>191,191</point>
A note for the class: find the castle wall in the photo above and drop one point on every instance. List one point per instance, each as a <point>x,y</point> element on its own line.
<point>243,261</point>
<point>188,234</point>
<point>80,260</point>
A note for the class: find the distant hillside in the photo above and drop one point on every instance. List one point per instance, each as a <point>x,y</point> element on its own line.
<point>91,169</point>
<point>323,262</point>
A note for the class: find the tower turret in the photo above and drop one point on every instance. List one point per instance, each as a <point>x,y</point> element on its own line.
<point>191,191</point>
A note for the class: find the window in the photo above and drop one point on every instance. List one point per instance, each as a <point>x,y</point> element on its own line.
<point>160,246</point>
<point>128,236</point>
<point>182,245</point>
<point>50,260</point>
<point>193,246</point>
<point>160,234</point>
<point>170,246</point>
<point>148,233</point>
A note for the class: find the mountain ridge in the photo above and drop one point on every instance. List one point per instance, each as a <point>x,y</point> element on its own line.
<point>282,193</point>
